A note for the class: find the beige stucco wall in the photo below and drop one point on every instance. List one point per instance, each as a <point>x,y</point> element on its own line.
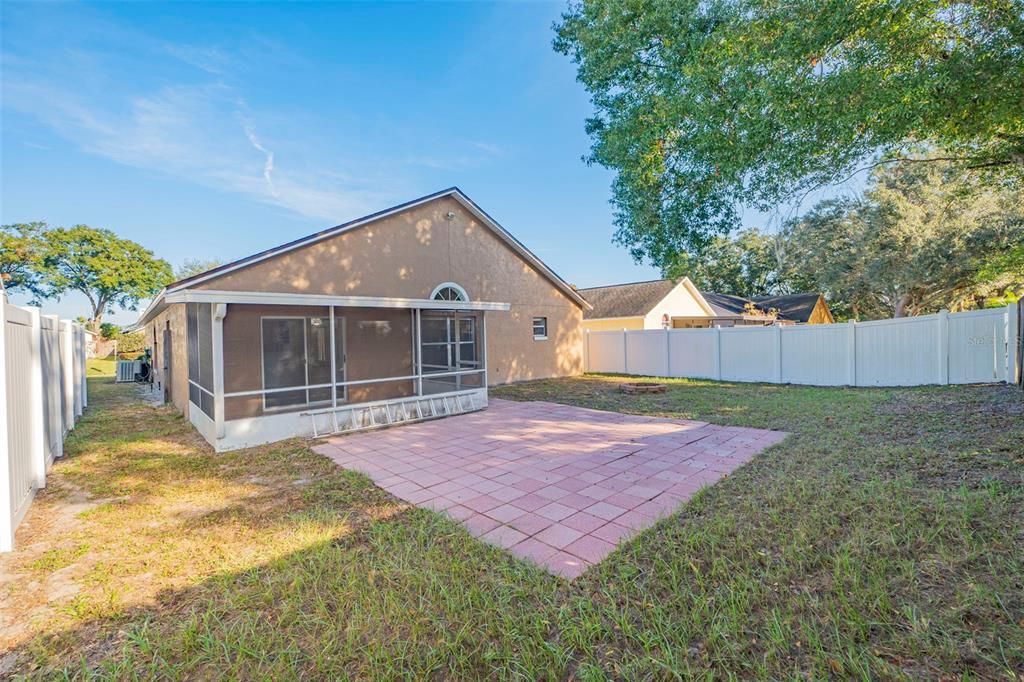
<point>174,316</point>
<point>679,302</point>
<point>613,324</point>
<point>408,255</point>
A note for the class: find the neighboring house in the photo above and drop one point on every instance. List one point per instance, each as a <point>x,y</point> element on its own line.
<point>734,311</point>
<point>808,308</point>
<point>664,303</point>
<point>642,305</point>
<point>428,298</point>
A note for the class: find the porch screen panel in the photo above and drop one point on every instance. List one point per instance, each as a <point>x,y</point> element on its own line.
<point>199,333</point>
<point>284,361</point>
<point>318,357</point>
<point>449,343</point>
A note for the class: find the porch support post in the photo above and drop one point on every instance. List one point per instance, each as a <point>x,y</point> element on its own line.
<point>218,312</point>
<point>418,355</point>
<point>483,341</point>
<point>334,370</point>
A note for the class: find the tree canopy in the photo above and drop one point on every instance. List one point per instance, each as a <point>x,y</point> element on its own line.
<point>21,251</point>
<point>922,238</point>
<point>194,266</point>
<point>705,108</point>
<point>107,269</point>
<point>748,264</point>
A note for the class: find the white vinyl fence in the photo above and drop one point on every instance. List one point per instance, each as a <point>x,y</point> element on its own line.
<point>42,393</point>
<point>959,348</point>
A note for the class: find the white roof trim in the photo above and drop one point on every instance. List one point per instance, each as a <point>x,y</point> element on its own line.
<point>271,298</point>
<point>454,192</point>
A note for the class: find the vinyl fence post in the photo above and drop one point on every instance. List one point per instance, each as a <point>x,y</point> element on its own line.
<point>77,350</point>
<point>668,354</point>
<point>6,525</point>
<point>1012,325</point>
<point>777,375</point>
<point>54,387</point>
<point>67,373</point>
<point>625,352</point>
<point>851,350</point>
<point>36,424</point>
<point>717,350</point>
<point>942,321</point>
<point>586,350</point>
<point>84,373</point>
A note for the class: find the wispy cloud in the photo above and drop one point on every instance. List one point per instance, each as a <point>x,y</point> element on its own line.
<point>199,133</point>
<point>180,109</point>
<point>268,165</point>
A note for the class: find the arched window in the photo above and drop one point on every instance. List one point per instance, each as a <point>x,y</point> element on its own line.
<point>449,291</point>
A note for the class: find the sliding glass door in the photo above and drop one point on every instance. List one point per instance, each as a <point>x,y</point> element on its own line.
<point>297,355</point>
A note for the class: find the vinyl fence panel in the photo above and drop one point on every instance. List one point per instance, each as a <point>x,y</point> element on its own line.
<point>958,348</point>
<point>693,352</point>
<point>902,352</point>
<point>748,354</point>
<point>646,353</point>
<point>818,354</point>
<point>38,372</point>
<point>975,340</point>
<point>607,351</point>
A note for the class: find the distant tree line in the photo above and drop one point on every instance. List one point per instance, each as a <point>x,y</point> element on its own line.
<point>922,237</point>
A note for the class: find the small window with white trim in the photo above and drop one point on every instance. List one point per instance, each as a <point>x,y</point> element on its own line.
<point>540,328</point>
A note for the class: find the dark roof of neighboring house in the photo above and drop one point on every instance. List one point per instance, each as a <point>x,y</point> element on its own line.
<point>625,300</point>
<point>724,304</point>
<point>791,307</point>
<point>795,307</point>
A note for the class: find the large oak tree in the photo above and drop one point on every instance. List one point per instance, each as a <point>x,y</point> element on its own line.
<point>703,108</point>
<point>107,269</point>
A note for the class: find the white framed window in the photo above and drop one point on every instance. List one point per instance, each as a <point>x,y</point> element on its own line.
<point>540,328</point>
<point>449,291</point>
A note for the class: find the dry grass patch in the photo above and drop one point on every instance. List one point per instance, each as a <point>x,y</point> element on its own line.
<point>882,540</point>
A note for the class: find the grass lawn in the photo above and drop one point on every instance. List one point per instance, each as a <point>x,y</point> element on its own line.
<point>885,538</point>
<point>100,367</point>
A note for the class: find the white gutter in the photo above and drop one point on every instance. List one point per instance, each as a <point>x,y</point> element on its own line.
<point>272,298</point>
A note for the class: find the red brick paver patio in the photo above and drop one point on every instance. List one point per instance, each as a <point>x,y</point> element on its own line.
<point>558,485</point>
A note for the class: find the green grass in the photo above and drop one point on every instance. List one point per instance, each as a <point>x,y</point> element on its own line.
<point>883,539</point>
<point>100,367</point>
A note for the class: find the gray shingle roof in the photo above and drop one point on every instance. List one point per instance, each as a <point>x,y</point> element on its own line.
<point>625,300</point>
<point>725,304</point>
<point>795,307</point>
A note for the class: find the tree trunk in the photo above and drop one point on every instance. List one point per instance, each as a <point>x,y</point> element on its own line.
<point>901,305</point>
<point>97,317</point>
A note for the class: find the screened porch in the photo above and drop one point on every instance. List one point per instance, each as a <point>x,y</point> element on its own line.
<point>261,371</point>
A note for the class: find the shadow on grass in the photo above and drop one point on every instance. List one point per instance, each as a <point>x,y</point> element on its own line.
<point>835,554</point>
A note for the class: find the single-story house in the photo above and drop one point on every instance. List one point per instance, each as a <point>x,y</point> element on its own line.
<point>405,314</point>
<point>664,303</point>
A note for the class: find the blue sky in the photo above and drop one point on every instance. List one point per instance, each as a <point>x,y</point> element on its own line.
<point>214,131</point>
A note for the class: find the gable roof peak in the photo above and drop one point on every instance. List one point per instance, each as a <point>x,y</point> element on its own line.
<point>454,191</point>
